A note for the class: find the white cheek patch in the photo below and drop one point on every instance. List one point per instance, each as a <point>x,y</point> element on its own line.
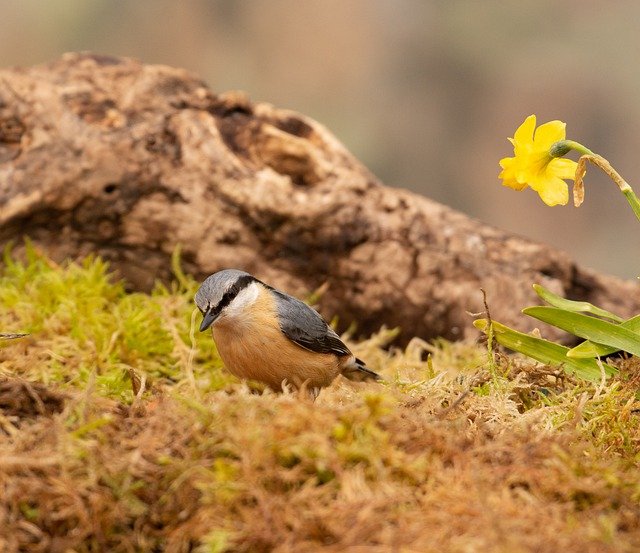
<point>243,300</point>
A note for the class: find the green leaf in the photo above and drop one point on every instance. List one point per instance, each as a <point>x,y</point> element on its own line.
<point>572,305</point>
<point>544,351</point>
<point>592,349</point>
<point>584,326</point>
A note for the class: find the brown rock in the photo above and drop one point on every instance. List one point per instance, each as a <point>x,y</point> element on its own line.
<point>107,155</point>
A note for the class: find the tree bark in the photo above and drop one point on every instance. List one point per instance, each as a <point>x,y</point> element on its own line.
<point>109,156</point>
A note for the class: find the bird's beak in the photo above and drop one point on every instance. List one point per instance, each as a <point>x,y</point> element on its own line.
<point>209,318</point>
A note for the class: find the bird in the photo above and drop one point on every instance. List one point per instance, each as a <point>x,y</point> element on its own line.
<point>265,335</point>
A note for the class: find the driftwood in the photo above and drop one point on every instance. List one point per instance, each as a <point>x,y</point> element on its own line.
<point>107,155</point>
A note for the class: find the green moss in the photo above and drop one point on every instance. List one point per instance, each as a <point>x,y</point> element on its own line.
<point>83,324</point>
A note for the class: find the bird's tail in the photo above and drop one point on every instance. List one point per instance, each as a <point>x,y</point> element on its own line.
<point>355,369</point>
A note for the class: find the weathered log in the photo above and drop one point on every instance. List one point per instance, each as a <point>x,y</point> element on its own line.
<point>110,156</point>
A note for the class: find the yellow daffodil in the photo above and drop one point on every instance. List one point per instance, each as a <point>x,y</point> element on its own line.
<point>533,164</point>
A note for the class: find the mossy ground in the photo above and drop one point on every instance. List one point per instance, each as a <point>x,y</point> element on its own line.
<point>121,431</point>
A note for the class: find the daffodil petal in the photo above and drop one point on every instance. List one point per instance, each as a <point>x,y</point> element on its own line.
<point>548,133</point>
<point>563,168</point>
<point>524,134</point>
<point>552,191</point>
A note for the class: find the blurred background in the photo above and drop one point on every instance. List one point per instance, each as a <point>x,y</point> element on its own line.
<point>424,92</point>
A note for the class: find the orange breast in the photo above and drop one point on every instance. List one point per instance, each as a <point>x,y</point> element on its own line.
<point>253,347</point>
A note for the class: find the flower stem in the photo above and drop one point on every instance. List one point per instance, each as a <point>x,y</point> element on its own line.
<point>602,163</point>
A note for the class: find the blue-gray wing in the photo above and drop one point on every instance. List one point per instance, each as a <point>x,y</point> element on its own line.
<point>304,326</point>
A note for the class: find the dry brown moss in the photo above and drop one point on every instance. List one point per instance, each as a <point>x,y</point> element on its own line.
<point>358,468</point>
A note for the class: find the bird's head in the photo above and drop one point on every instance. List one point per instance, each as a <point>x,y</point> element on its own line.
<point>217,292</point>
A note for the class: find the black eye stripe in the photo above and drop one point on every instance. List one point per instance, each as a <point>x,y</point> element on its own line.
<point>228,296</point>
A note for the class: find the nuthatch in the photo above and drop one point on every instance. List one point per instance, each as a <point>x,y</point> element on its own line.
<point>266,335</point>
